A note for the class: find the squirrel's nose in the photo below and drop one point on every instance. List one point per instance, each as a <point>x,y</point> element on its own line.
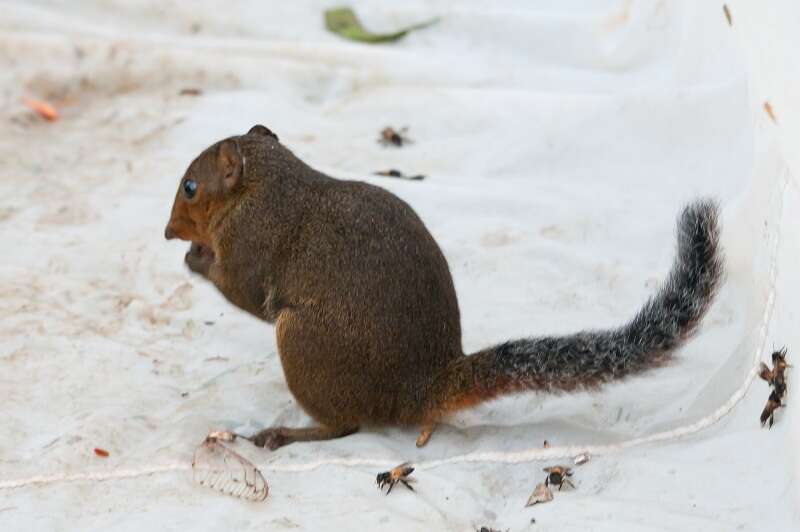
<point>169,234</point>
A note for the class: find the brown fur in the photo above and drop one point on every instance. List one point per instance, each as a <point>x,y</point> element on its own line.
<point>367,321</point>
<point>361,295</point>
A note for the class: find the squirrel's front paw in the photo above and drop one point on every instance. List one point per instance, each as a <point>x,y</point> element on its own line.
<point>271,438</point>
<point>199,258</point>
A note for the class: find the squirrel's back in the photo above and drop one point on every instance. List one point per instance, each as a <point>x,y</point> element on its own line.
<point>369,270</point>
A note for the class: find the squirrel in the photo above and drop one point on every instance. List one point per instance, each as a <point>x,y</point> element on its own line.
<point>362,299</point>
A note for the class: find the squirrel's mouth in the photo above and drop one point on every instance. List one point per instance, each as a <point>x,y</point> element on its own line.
<point>201,250</point>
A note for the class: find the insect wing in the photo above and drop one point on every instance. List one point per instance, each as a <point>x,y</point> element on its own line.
<point>764,372</point>
<point>221,469</point>
<point>541,494</point>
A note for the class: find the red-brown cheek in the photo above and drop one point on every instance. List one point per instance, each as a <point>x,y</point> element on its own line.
<point>181,230</point>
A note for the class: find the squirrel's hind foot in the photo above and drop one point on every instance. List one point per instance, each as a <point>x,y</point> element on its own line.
<point>276,437</point>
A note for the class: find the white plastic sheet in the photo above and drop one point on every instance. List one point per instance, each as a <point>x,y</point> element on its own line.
<point>560,140</point>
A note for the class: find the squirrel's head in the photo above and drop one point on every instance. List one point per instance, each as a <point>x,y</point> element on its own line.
<point>210,185</point>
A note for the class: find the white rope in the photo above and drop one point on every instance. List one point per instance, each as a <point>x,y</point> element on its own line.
<point>96,476</point>
<point>528,455</point>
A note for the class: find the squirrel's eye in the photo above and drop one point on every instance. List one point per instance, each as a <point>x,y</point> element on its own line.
<point>190,188</point>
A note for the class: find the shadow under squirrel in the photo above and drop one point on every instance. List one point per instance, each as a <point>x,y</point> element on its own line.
<point>366,316</point>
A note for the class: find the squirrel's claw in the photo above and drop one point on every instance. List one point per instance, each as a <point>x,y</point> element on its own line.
<point>272,438</point>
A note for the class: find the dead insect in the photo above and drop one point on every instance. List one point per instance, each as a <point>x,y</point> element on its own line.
<point>779,384</point>
<point>779,360</point>
<point>540,494</point>
<point>393,476</point>
<point>392,137</point>
<point>765,373</point>
<point>400,175</point>
<point>581,458</point>
<point>776,376</point>
<point>773,403</point>
<point>558,475</point>
<point>727,11</point>
<point>190,91</point>
<point>225,470</point>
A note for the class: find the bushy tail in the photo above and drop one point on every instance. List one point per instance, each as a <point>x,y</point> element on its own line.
<point>588,359</point>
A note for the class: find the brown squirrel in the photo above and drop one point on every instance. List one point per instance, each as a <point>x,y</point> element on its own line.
<point>366,316</point>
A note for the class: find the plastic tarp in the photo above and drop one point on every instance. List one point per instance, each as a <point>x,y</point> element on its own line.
<point>560,140</point>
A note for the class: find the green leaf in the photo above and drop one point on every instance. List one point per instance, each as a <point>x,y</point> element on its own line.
<point>343,21</point>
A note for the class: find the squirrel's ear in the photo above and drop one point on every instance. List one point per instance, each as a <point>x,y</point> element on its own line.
<point>230,163</point>
<point>264,131</point>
